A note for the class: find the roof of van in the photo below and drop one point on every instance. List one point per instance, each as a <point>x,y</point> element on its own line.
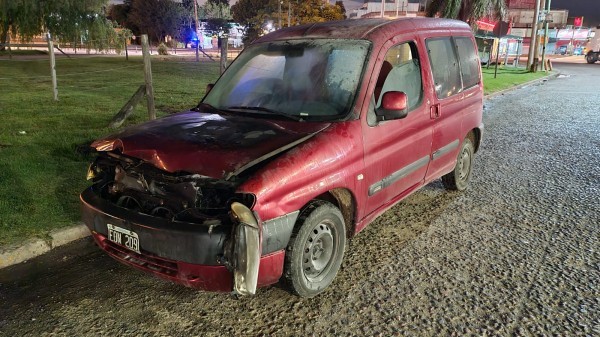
<point>371,29</point>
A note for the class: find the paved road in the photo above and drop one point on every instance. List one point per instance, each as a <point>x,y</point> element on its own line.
<point>516,254</point>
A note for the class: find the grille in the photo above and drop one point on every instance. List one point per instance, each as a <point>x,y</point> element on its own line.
<point>147,261</point>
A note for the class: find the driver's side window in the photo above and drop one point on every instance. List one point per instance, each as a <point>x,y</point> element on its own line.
<point>400,71</point>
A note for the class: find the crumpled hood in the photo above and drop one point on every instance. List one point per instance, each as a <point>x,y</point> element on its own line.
<point>217,146</point>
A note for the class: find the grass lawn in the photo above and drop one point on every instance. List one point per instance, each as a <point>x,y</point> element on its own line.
<point>42,165</point>
<point>507,77</point>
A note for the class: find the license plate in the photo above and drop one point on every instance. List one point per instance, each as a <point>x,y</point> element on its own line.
<point>124,237</point>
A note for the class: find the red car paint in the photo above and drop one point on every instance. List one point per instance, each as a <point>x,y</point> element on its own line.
<point>205,143</point>
<point>296,162</point>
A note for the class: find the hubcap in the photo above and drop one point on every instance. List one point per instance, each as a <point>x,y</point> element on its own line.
<point>318,251</point>
<point>464,165</point>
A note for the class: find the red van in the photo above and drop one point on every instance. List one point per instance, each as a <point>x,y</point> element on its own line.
<point>310,134</point>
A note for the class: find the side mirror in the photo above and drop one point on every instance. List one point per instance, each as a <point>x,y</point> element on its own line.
<point>209,87</point>
<point>394,105</point>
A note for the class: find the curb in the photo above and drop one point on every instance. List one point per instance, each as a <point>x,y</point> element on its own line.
<point>20,253</point>
<point>16,254</point>
<point>522,85</point>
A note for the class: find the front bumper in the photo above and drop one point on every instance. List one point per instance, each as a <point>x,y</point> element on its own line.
<point>188,254</point>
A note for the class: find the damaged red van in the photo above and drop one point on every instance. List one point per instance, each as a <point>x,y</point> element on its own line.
<point>309,135</point>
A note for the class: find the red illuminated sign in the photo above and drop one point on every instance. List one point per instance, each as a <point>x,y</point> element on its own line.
<point>578,21</point>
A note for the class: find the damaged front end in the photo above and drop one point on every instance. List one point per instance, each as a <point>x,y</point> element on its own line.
<point>201,227</point>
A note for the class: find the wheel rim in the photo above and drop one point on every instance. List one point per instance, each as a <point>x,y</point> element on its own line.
<point>319,251</point>
<point>464,165</point>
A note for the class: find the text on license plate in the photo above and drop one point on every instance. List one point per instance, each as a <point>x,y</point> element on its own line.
<point>124,237</point>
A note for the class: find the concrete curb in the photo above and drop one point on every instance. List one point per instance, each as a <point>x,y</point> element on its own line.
<point>522,85</point>
<point>20,253</point>
<point>16,254</point>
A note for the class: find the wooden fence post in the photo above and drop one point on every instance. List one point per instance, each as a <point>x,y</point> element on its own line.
<point>7,46</point>
<point>148,77</point>
<point>126,53</point>
<point>127,109</point>
<point>223,53</point>
<point>52,66</point>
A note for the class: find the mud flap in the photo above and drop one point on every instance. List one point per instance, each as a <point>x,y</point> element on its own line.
<point>246,250</point>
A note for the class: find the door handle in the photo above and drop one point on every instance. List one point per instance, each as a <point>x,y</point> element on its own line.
<point>435,111</point>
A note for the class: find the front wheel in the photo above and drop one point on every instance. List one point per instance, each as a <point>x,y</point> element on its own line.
<point>591,58</point>
<point>316,249</point>
<point>458,179</point>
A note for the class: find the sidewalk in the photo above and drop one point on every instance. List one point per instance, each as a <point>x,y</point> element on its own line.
<point>15,254</point>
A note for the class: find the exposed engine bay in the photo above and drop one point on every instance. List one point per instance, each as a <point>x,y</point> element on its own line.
<point>137,186</point>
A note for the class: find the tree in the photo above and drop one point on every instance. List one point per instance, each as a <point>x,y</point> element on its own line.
<point>217,14</point>
<point>254,14</point>
<point>467,10</point>
<point>342,8</point>
<point>68,20</point>
<point>157,18</point>
<point>119,13</point>
<point>309,11</point>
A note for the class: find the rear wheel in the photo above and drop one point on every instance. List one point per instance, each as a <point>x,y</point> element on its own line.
<point>458,179</point>
<point>591,58</point>
<point>316,249</point>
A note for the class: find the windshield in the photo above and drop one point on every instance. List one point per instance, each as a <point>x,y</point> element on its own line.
<point>301,80</point>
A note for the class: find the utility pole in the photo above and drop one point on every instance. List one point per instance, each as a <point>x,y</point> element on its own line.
<point>545,34</point>
<point>279,16</point>
<point>533,38</point>
<point>289,13</point>
<point>382,8</point>
<point>536,51</point>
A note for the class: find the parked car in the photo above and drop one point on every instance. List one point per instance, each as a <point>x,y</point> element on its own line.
<point>309,135</point>
<point>592,50</point>
<point>562,50</point>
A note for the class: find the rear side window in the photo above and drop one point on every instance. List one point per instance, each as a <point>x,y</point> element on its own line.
<point>446,71</point>
<point>469,62</point>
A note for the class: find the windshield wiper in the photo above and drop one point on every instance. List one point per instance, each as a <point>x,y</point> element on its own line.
<point>267,110</point>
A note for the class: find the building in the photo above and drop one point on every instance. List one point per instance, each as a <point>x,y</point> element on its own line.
<point>565,34</point>
<point>391,9</point>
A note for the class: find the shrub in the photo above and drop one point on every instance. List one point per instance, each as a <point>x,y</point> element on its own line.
<point>162,49</point>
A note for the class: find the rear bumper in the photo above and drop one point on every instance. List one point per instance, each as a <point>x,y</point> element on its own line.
<point>184,253</point>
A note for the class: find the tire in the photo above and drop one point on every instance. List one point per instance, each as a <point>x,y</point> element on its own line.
<point>315,251</point>
<point>458,179</point>
<point>591,58</point>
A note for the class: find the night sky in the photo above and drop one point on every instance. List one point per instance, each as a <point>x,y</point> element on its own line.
<point>589,9</point>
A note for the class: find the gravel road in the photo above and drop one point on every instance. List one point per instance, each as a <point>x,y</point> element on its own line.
<point>517,254</point>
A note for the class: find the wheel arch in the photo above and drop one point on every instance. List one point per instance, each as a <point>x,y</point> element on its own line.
<point>345,201</point>
<point>475,136</point>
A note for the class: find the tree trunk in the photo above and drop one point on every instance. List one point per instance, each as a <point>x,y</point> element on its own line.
<point>4,37</point>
